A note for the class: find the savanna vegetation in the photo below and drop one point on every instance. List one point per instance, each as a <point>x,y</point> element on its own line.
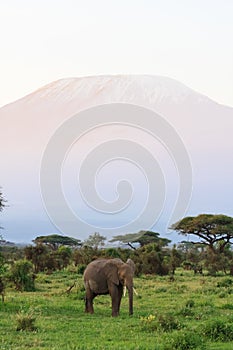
<point>189,312</point>
<point>183,301</point>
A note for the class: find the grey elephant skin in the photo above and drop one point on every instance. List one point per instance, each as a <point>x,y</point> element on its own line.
<point>109,276</point>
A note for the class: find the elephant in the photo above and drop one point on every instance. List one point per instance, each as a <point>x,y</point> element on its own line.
<point>109,276</point>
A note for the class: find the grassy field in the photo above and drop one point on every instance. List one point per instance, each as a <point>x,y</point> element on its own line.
<point>191,312</point>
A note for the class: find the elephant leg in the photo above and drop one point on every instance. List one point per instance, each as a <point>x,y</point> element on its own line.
<point>120,293</point>
<point>116,295</point>
<point>89,301</point>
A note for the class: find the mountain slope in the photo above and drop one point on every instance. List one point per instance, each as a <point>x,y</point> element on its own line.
<point>151,89</point>
<point>28,124</point>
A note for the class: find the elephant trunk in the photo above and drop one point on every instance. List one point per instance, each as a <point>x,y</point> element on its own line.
<point>130,291</point>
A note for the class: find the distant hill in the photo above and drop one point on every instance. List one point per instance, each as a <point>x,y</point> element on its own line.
<point>4,243</point>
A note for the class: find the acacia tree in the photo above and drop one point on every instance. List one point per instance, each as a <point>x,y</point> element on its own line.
<point>142,237</point>
<point>213,231</point>
<point>51,252</point>
<point>55,241</point>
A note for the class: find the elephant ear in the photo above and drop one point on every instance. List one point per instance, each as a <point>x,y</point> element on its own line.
<point>131,264</point>
<point>111,272</point>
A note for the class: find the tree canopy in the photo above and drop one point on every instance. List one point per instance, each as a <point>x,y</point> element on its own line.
<point>2,205</point>
<point>215,231</point>
<point>55,241</point>
<point>95,241</point>
<point>2,201</point>
<point>142,237</point>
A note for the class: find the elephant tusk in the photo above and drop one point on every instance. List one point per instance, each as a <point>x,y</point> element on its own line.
<point>124,291</point>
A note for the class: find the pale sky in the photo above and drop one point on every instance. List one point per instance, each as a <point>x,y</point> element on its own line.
<point>189,40</point>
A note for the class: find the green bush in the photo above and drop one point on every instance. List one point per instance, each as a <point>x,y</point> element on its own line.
<point>190,303</point>
<point>149,323</point>
<point>227,282</point>
<point>218,330</point>
<point>168,323</point>
<point>2,265</point>
<point>184,340</point>
<point>187,310</point>
<point>26,321</point>
<point>227,307</point>
<point>165,323</point>
<point>81,268</point>
<point>21,274</point>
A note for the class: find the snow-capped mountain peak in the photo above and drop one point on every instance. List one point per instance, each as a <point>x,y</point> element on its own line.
<point>122,88</point>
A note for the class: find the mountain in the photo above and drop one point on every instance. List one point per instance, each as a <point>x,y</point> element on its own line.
<point>4,243</point>
<point>28,125</point>
<point>92,89</point>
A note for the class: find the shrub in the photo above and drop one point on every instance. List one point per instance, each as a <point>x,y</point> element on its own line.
<point>218,330</point>
<point>168,323</point>
<point>150,260</point>
<point>149,323</point>
<point>26,321</point>
<point>227,282</point>
<point>190,303</point>
<point>112,253</point>
<point>187,310</point>
<point>2,265</point>
<point>81,268</point>
<point>165,323</point>
<point>227,307</point>
<point>184,340</point>
<point>63,257</point>
<point>22,275</point>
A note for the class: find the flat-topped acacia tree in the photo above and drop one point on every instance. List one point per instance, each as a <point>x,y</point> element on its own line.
<point>54,241</point>
<point>214,231</point>
<point>142,238</point>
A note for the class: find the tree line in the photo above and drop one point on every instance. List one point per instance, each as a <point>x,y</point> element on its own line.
<point>207,248</point>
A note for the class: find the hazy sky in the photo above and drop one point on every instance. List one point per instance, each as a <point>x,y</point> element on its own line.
<point>189,40</point>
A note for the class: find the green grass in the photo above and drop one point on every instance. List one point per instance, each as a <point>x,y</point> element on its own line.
<point>168,315</point>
